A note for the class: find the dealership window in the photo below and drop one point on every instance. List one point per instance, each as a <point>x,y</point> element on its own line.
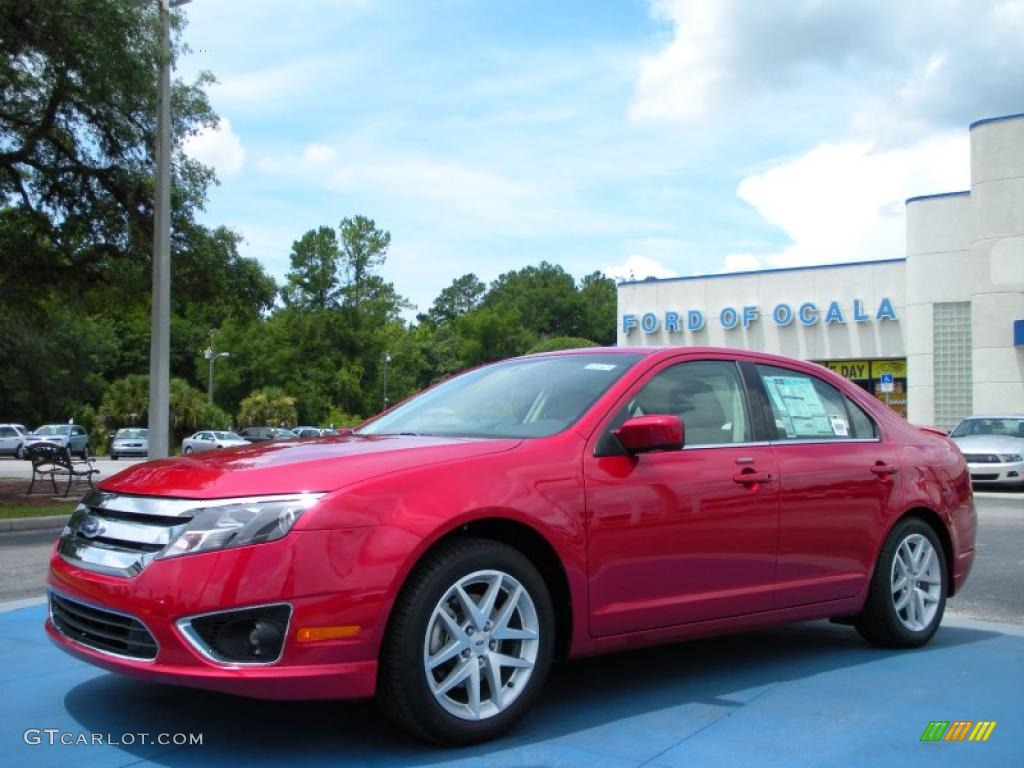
<point>951,339</point>
<point>806,408</point>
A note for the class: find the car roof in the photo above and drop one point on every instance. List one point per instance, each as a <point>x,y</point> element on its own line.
<point>674,350</point>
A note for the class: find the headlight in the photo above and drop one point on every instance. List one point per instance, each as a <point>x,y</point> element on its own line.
<point>1009,457</point>
<point>234,525</point>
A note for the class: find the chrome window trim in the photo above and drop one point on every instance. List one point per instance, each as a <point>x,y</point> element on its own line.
<point>97,606</point>
<point>184,626</point>
<point>836,440</point>
<point>747,444</point>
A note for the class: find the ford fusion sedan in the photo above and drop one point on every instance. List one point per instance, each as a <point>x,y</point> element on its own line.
<point>73,438</point>
<point>993,447</point>
<point>211,439</point>
<point>130,441</point>
<point>559,505</point>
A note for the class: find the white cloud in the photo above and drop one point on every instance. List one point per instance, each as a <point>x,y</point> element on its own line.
<point>219,147</point>
<point>638,267</point>
<point>845,201</point>
<point>923,63</point>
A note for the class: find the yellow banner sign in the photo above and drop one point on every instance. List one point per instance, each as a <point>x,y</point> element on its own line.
<point>863,370</point>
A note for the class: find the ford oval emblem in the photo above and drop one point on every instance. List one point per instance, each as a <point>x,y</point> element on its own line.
<point>91,527</point>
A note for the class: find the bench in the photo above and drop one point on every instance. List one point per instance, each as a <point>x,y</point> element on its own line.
<point>50,460</point>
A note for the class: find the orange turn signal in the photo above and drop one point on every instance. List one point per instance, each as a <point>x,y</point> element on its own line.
<point>312,634</point>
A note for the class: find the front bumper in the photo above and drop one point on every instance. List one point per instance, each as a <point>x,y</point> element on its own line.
<point>129,450</point>
<point>329,578</point>
<point>1009,472</point>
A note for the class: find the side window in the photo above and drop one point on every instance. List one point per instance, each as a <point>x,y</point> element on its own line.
<point>804,407</point>
<point>706,394</point>
<point>862,425</point>
<point>7,432</point>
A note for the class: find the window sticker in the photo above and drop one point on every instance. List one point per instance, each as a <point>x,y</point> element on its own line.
<point>599,367</point>
<point>798,406</point>
<point>839,426</point>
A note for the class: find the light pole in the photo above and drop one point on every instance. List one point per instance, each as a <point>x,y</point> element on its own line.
<point>387,359</point>
<point>210,354</point>
<point>160,322</point>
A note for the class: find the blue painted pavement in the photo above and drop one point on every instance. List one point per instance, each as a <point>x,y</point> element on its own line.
<point>812,694</point>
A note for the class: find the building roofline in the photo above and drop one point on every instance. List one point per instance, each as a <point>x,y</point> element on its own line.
<point>996,119</point>
<point>763,271</point>
<point>917,198</point>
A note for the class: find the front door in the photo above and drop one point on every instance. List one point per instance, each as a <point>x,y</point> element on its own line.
<point>682,536</point>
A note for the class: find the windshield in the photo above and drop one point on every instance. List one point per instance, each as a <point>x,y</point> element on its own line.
<point>529,397</point>
<point>1011,427</point>
<point>131,434</point>
<point>53,429</point>
<point>227,436</point>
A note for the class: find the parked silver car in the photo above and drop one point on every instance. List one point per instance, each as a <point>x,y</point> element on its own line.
<point>209,440</point>
<point>130,441</point>
<point>71,437</point>
<point>993,447</point>
<point>12,439</point>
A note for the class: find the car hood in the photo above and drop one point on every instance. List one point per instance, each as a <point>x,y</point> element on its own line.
<point>317,464</point>
<point>45,438</point>
<point>989,444</point>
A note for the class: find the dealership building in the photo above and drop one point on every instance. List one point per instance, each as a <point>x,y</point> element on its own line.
<point>937,335</point>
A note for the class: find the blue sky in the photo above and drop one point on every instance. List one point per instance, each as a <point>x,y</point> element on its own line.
<point>665,138</point>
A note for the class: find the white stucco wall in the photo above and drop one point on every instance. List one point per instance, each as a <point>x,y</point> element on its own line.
<point>938,270</point>
<point>997,262</point>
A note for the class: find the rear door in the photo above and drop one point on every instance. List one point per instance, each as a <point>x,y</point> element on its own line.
<point>838,486</point>
<point>681,536</point>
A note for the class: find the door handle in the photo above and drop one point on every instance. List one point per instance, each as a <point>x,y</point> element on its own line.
<point>884,470</point>
<point>751,477</point>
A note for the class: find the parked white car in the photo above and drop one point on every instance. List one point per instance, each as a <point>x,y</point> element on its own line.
<point>993,447</point>
<point>130,441</point>
<point>12,440</point>
<point>209,440</point>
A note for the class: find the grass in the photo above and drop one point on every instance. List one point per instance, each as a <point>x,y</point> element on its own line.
<point>8,511</point>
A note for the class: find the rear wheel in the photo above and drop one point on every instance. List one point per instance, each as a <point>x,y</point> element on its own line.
<point>907,596</point>
<point>85,451</point>
<point>469,644</point>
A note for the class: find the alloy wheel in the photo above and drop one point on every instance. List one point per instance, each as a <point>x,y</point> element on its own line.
<point>481,645</point>
<point>916,582</point>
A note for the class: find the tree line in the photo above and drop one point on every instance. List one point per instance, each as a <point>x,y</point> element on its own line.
<point>77,131</point>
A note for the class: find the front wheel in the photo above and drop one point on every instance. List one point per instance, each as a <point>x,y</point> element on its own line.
<point>113,457</point>
<point>188,451</point>
<point>469,644</point>
<point>85,452</point>
<point>907,596</point>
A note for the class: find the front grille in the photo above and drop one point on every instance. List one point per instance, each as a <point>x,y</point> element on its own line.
<point>101,629</point>
<point>119,534</point>
<point>985,477</point>
<point>981,458</point>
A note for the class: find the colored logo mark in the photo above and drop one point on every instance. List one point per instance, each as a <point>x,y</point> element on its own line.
<point>958,730</point>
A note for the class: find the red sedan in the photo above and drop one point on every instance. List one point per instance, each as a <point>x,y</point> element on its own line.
<point>557,505</point>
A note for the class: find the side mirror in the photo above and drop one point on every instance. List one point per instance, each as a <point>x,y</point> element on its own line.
<point>658,432</point>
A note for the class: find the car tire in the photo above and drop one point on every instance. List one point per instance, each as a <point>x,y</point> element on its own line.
<point>422,629</point>
<point>85,452</point>
<point>907,595</point>
<point>113,457</point>
<point>19,452</point>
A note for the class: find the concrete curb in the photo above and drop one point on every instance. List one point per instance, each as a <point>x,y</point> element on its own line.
<point>48,522</point>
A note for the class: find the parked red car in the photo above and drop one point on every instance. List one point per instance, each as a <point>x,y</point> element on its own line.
<point>541,507</point>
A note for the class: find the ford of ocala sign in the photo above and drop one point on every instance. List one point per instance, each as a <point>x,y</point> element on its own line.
<point>782,314</point>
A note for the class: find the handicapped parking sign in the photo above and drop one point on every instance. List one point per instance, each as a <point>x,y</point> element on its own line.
<point>886,380</point>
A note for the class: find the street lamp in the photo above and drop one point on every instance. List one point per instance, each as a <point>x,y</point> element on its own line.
<point>387,359</point>
<point>160,322</point>
<point>210,354</point>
